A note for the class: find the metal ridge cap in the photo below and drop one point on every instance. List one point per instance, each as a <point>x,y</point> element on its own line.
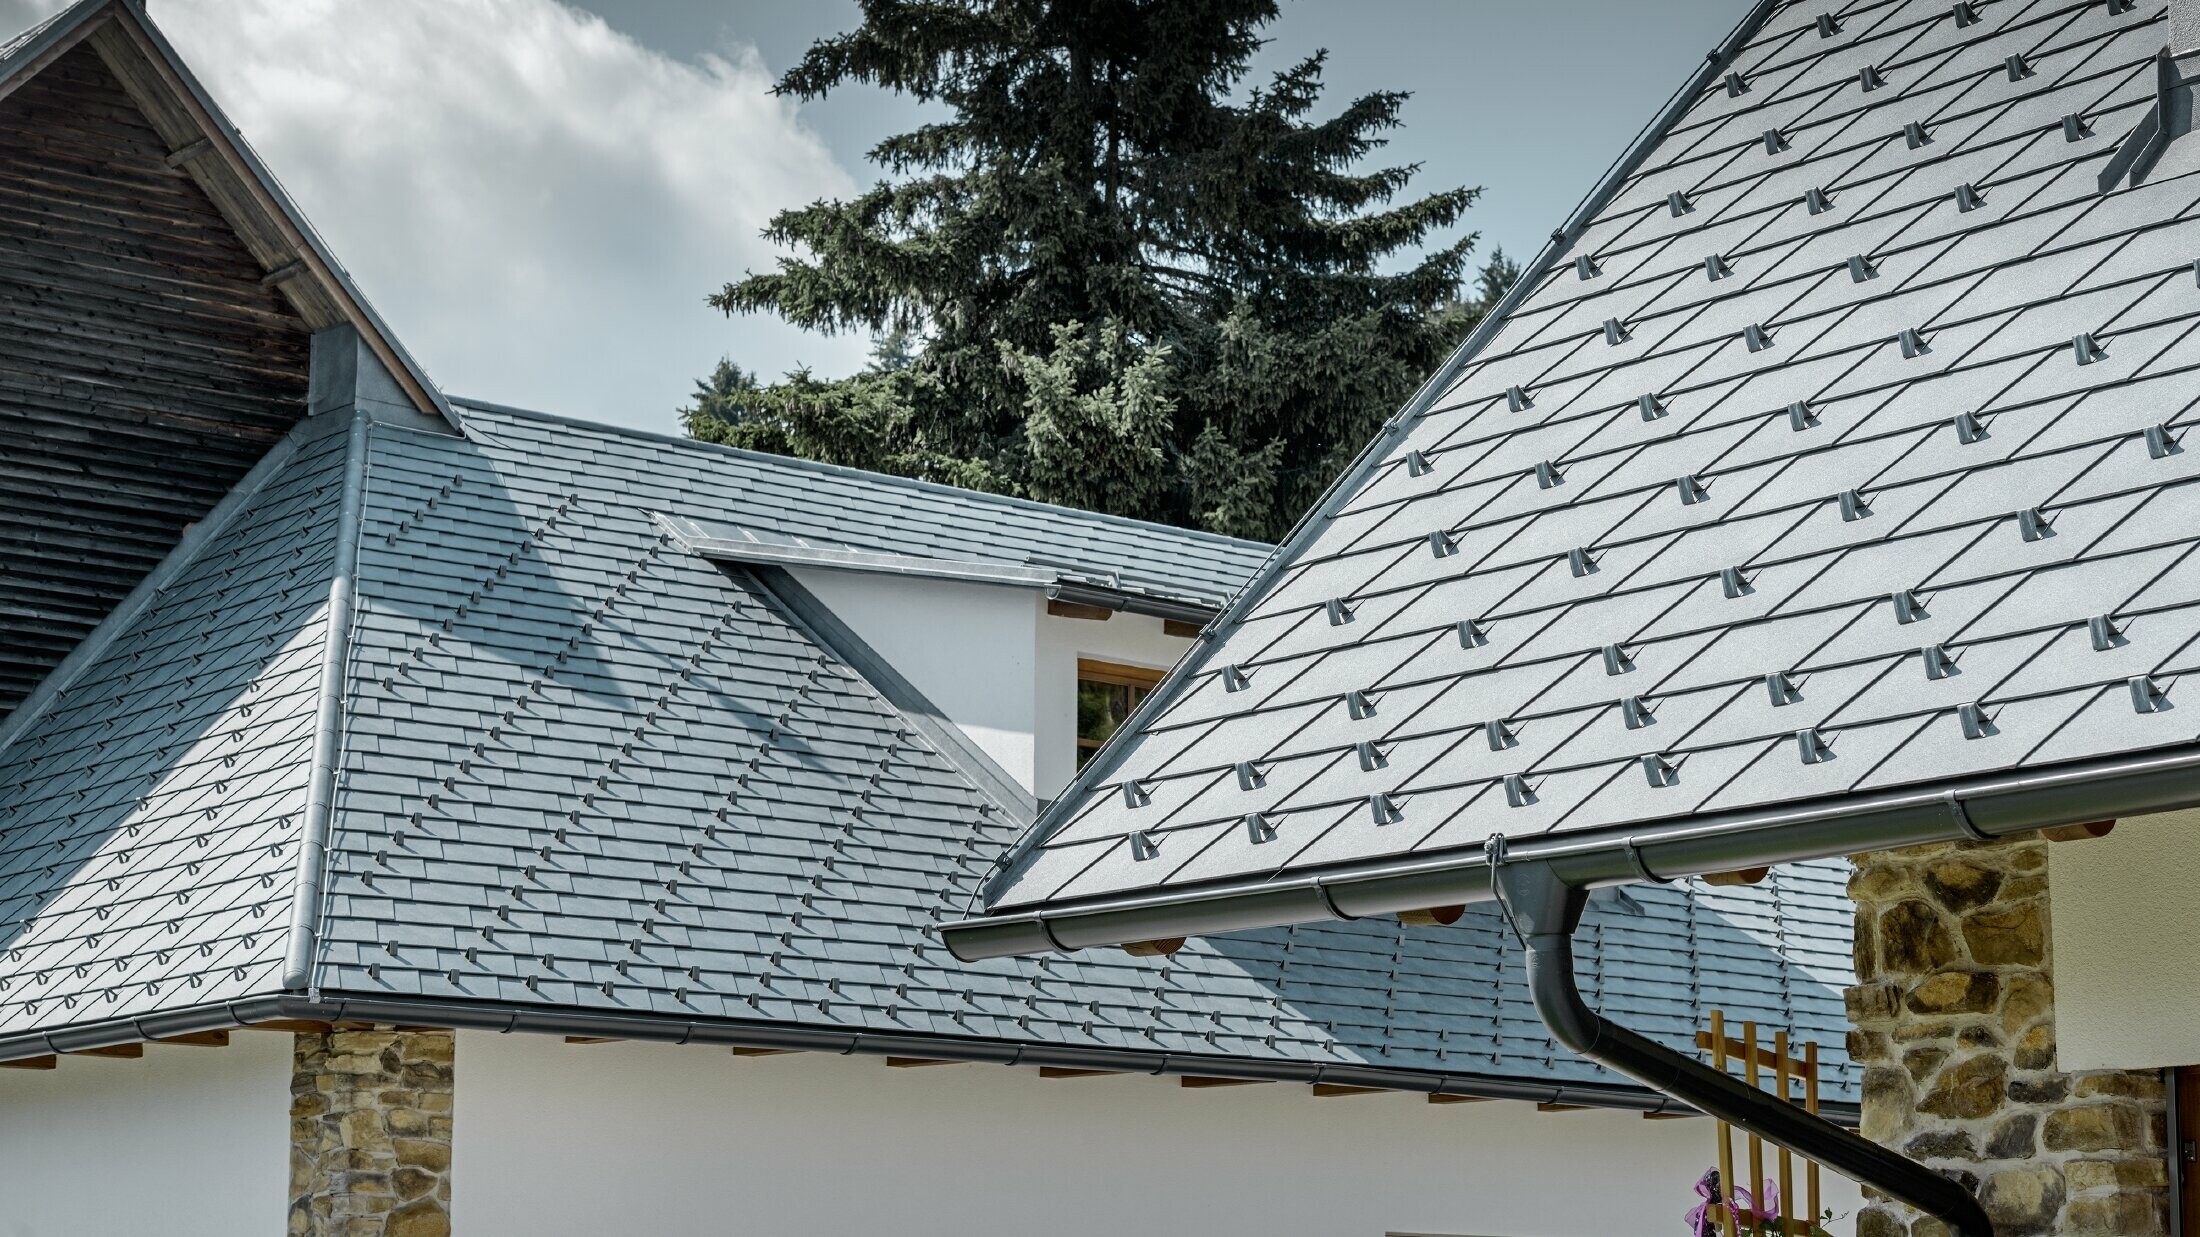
<point>708,542</point>
<point>1990,805</point>
<point>1075,515</point>
<point>1394,430</point>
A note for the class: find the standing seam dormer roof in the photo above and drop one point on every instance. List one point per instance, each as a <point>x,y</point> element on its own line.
<point>1880,481</point>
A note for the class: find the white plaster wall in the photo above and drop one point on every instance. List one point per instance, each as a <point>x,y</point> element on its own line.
<point>558,1139</point>
<point>185,1142</point>
<point>993,659</point>
<point>1129,639</point>
<point>2125,923</point>
<point>970,648</point>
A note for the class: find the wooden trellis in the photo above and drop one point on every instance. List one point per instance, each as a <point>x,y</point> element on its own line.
<point>1795,1080</point>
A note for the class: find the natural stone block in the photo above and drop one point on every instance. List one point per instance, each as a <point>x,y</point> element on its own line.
<point>1914,937</point>
<point>2130,1086</point>
<point>2142,1173</point>
<point>1922,1061</point>
<point>1959,884</point>
<point>2093,1127</point>
<point>2129,1214</point>
<point>2006,936</point>
<point>2049,1090</point>
<point>2015,1138</point>
<point>2035,1049</point>
<point>1941,1145</point>
<point>2023,1201</point>
<point>1888,1100</point>
<point>1955,992</point>
<point>1881,1220</point>
<point>1868,1003</point>
<point>1969,1089</point>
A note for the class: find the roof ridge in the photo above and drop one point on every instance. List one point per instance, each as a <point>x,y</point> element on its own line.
<point>465,403</point>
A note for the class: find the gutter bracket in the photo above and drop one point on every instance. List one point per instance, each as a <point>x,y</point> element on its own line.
<point>1962,817</point>
<point>1544,912</point>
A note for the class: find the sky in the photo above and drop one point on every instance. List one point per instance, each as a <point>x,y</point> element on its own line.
<point>539,195</point>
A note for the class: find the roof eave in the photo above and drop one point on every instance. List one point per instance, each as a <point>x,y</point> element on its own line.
<point>1978,809</point>
<point>463,1015</point>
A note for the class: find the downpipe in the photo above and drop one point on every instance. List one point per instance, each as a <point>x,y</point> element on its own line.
<point>1544,912</point>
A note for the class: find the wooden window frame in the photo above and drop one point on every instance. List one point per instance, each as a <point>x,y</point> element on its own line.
<point>1113,674</point>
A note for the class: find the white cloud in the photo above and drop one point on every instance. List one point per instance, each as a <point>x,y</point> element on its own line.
<point>536,203</point>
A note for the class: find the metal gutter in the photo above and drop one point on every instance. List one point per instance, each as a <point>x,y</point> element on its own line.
<point>817,621</point>
<point>1545,911</point>
<point>1103,764</point>
<point>651,1028</point>
<point>328,720</point>
<point>1978,808</point>
<point>1131,603</point>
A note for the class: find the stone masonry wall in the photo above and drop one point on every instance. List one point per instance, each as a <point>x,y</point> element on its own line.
<point>370,1134</point>
<point>1954,1017</point>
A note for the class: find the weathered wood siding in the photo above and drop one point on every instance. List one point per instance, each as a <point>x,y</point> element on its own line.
<point>143,366</point>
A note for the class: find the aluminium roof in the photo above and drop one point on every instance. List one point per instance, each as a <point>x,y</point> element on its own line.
<point>1837,449</point>
<point>585,770</point>
<point>780,506</point>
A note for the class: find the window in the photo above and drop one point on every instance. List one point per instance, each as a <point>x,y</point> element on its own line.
<point>1106,694</point>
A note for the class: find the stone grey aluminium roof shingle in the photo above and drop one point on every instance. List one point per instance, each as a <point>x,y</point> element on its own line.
<point>780,502</point>
<point>150,814</point>
<point>1839,451</point>
<point>586,771</point>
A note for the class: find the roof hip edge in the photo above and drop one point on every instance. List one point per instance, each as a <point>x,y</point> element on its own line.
<point>328,718</point>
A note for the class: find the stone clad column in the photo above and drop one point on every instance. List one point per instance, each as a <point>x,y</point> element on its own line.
<point>370,1134</point>
<point>1954,1017</point>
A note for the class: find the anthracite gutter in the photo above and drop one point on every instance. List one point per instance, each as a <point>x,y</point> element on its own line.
<point>1545,911</point>
<point>1978,809</point>
<point>340,1007</point>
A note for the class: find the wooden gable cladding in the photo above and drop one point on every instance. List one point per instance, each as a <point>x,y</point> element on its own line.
<point>146,362</point>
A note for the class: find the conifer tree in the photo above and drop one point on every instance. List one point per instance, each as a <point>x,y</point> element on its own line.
<point>1123,277</point>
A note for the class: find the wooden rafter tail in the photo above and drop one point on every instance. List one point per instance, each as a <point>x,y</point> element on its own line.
<point>120,1052</point>
<point>197,1039</point>
<point>48,1061</point>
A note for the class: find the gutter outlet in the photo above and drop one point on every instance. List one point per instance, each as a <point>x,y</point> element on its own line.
<point>1544,911</point>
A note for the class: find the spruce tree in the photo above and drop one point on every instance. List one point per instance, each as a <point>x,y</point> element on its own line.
<point>1124,278</point>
